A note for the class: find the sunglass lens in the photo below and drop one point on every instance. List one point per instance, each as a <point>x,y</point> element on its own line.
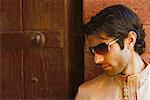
<point>101,49</point>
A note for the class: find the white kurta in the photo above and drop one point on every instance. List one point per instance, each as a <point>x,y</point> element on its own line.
<point>103,87</point>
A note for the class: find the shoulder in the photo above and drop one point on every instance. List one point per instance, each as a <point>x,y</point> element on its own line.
<point>95,87</point>
<point>96,83</point>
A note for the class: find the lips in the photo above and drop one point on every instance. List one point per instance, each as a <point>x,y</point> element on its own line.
<point>104,66</point>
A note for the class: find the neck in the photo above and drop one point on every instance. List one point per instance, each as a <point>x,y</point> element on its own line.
<point>135,65</point>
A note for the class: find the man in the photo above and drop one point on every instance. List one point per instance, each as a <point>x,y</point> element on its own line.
<point>116,40</point>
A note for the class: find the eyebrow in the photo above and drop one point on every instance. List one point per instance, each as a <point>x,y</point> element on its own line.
<point>93,45</point>
<point>104,38</point>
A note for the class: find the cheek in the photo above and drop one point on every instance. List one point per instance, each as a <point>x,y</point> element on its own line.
<point>118,58</point>
<point>125,55</point>
<point>112,60</point>
<point>123,59</point>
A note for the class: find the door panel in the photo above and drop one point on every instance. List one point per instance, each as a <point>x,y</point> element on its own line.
<point>30,70</point>
<point>44,74</point>
<point>11,62</point>
<point>10,15</point>
<point>47,77</point>
<point>11,74</point>
<point>43,14</point>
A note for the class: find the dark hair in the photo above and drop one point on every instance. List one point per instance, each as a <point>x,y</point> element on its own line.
<point>117,20</point>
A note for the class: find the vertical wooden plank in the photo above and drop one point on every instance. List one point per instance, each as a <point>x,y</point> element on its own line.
<point>43,14</point>
<point>10,15</point>
<point>45,73</point>
<point>11,74</point>
<point>11,83</point>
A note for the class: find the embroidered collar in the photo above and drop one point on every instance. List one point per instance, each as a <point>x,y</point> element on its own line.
<point>133,81</point>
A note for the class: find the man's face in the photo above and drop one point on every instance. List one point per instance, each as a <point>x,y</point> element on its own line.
<point>113,62</point>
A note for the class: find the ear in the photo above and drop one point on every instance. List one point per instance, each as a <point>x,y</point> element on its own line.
<point>131,39</point>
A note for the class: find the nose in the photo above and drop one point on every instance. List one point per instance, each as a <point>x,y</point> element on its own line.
<point>98,59</point>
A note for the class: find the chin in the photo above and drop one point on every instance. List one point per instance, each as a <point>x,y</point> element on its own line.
<point>111,73</point>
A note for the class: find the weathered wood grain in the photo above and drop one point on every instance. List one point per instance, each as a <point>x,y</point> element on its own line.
<point>11,64</point>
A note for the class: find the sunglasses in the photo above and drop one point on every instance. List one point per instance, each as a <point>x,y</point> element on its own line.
<point>102,48</point>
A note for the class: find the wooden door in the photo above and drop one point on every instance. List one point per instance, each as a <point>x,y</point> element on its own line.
<point>41,54</point>
<point>91,7</point>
